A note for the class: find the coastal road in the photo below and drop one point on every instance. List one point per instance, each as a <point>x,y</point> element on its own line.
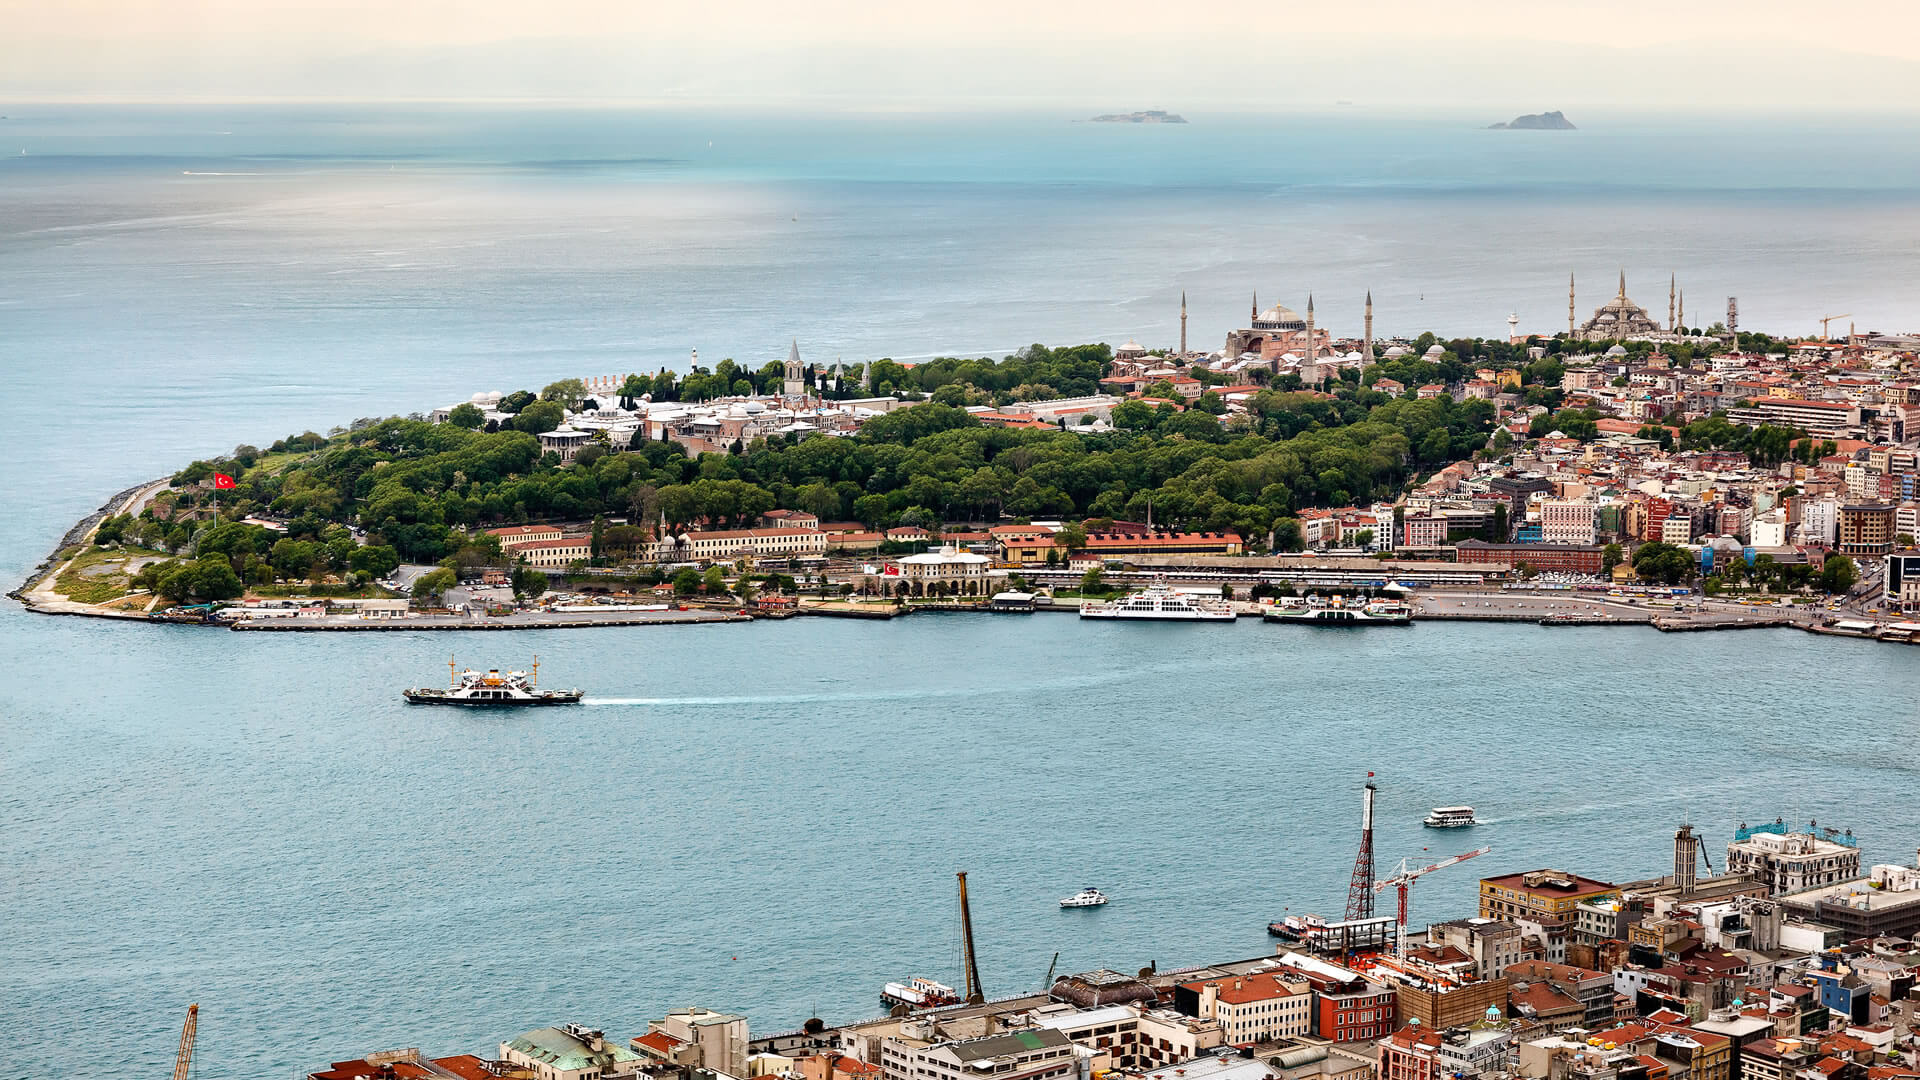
<point>523,620</point>
<point>1467,604</point>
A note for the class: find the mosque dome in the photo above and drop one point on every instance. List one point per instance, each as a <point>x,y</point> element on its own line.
<point>1395,352</point>
<point>755,408</point>
<point>1279,317</point>
<point>1617,350</point>
<point>1435,350</point>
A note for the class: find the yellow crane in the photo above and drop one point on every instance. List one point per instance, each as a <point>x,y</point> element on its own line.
<point>1824,336</point>
<point>184,1058</point>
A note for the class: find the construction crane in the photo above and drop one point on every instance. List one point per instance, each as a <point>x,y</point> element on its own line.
<point>1404,881</point>
<point>184,1059</point>
<point>1825,319</point>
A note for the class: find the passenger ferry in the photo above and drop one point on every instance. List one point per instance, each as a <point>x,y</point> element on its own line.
<point>918,993</point>
<point>1450,817</point>
<point>1087,897</point>
<point>493,688</point>
<point>1160,601</point>
<point>1336,611</point>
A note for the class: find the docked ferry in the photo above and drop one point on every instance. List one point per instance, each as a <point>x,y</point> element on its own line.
<point>1160,601</point>
<point>491,688</point>
<point>1336,611</point>
<point>1450,817</point>
<point>918,993</point>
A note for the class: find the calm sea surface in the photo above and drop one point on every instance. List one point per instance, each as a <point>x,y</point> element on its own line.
<point>767,818</point>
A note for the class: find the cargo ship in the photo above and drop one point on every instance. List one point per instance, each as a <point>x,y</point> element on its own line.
<point>491,688</point>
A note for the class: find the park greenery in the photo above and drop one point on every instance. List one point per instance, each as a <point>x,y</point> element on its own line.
<point>357,502</point>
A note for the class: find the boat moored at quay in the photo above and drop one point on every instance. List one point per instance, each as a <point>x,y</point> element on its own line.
<point>1162,602</point>
<point>1336,611</point>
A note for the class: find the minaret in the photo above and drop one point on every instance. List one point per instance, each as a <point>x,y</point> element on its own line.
<point>1623,283</point>
<point>1183,322</point>
<point>1671,293</point>
<point>1310,371</point>
<point>1569,305</point>
<point>1256,308</point>
<point>1682,317</point>
<point>1366,341</point>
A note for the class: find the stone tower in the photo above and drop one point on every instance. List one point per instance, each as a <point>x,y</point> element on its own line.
<point>1183,322</point>
<point>795,380</point>
<point>1672,315</point>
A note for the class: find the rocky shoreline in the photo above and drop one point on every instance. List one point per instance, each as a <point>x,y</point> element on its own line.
<point>81,530</point>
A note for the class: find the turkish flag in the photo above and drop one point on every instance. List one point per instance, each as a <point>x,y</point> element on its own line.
<point>222,480</point>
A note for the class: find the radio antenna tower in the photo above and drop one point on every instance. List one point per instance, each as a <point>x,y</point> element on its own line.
<point>1360,892</point>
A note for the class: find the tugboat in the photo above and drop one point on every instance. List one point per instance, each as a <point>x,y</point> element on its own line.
<point>1087,897</point>
<point>493,688</point>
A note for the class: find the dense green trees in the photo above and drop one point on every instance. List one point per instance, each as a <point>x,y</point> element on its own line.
<point>419,488</point>
<point>1664,562</point>
<point>1838,574</point>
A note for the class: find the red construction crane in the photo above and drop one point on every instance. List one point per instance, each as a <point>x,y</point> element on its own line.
<point>1404,880</point>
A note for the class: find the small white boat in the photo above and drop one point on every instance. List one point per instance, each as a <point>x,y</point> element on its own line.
<point>1450,817</point>
<point>1087,897</point>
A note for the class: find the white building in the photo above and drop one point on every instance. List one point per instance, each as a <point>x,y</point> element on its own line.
<point>1769,530</point>
<point>547,554</point>
<point>564,441</point>
<point>1819,520</point>
<point>1031,1054</point>
<point>733,543</point>
<point>965,572</point>
<point>1791,862</point>
<point>1566,521</point>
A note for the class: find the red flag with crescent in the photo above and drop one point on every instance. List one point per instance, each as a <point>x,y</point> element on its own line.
<point>222,480</point>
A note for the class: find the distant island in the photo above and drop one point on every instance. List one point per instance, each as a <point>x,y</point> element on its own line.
<point>1546,121</point>
<point>1150,116</point>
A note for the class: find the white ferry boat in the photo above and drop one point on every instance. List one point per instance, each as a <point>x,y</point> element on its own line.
<point>1336,611</point>
<point>1087,897</point>
<point>493,688</point>
<point>1450,817</point>
<point>1160,601</point>
<point>918,993</point>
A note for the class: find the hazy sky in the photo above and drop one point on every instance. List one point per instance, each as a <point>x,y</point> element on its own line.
<point>1850,53</point>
